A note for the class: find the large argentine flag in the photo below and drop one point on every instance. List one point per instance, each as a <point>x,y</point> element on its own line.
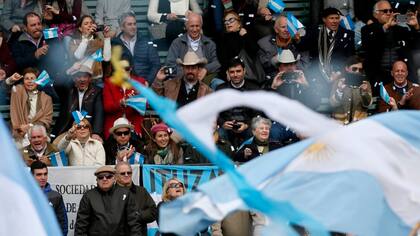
<point>24,210</point>
<point>360,179</point>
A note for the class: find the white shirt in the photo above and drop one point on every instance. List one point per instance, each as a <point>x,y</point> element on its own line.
<point>194,44</point>
<point>129,44</point>
<point>81,95</point>
<point>33,98</point>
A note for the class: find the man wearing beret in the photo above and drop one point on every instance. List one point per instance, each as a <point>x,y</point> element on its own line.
<point>108,209</point>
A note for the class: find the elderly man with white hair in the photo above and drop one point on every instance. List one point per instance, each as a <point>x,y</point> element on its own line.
<point>194,41</point>
<point>40,147</point>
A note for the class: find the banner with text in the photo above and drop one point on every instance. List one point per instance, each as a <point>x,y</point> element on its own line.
<point>155,176</point>
<point>73,182</point>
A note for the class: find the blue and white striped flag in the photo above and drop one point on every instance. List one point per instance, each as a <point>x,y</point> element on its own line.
<point>97,56</point>
<point>347,23</point>
<point>276,5</point>
<point>59,159</point>
<point>138,102</point>
<point>384,94</point>
<point>136,158</point>
<point>43,79</point>
<point>24,209</point>
<point>79,116</point>
<point>50,33</point>
<point>293,24</point>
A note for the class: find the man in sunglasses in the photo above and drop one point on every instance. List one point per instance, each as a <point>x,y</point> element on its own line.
<point>145,204</point>
<point>107,209</point>
<point>121,145</point>
<point>351,94</point>
<point>385,41</point>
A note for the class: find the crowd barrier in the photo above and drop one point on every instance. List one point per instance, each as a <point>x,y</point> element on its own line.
<point>73,182</point>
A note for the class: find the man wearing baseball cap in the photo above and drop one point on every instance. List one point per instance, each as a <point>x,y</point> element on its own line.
<point>107,209</point>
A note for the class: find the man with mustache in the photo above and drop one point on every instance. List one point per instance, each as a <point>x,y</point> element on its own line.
<point>187,87</point>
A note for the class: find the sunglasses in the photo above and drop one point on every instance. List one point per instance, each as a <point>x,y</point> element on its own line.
<point>176,185</point>
<point>121,133</point>
<point>230,21</point>
<point>82,127</point>
<point>127,68</point>
<point>107,176</point>
<point>386,11</point>
<point>127,173</point>
<point>356,69</point>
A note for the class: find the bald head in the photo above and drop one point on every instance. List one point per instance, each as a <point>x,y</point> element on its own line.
<point>193,25</point>
<point>399,73</point>
<point>280,27</point>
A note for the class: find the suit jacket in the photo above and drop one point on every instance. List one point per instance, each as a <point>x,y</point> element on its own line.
<point>343,46</point>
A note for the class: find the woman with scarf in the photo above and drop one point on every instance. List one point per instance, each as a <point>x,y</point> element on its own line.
<point>163,150</point>
<point>29,106</point>
<point>260,141</point>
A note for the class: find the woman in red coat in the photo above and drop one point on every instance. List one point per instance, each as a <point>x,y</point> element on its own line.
<point>114,103</point>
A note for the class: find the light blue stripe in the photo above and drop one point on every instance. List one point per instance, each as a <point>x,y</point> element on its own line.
<point>14,168</point>
<point>404,123</point>
<point>280,212</point>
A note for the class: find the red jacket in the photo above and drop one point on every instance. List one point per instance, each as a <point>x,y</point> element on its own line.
<point>112,96</point>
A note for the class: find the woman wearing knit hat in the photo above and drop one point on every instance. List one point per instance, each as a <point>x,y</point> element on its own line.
<point>162,150</point>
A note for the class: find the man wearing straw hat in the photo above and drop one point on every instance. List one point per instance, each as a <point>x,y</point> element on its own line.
<point>187,87</point>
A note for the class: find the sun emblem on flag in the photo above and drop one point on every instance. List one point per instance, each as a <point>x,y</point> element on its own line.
<point>318,151</point>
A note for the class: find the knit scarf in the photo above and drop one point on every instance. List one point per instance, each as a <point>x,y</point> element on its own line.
<point>164,157</point>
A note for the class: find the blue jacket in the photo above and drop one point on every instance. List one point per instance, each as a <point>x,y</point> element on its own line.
<point>56,201</point>
<point>145,60</point>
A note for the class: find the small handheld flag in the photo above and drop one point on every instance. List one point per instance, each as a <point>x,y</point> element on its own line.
<point>59,159</point>
<point>97,56</point>
<point>276,5</point>
<point>50,33</point>
<point>43,79</point>
<point>384,94</point>
<point>136,158</point>
<point>347,23</point>
<point>138,103</point>
<point>79,116</point>
<point>293,24</point>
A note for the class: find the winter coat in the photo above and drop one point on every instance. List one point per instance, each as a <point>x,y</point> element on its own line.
<point>145,60</point>
<point>111,213</point>
<point>112,95</point>
<point>56,201</point>
<point>92,154</point>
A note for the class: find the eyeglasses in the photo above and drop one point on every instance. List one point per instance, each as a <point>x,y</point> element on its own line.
<point>127,173</point>
<point>121,133</point>
<point>356,69</point>
<point>107,176</point>
<point>230,21</point>
<point>82,127</point>
<point>386,11</point>
<point>176,185</point>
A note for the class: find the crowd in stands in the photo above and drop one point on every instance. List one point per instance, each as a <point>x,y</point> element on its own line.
<point>240,45</point>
